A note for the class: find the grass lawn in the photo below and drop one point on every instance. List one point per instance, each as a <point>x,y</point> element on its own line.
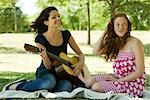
<point>10,47</point>
<point>6,77</point>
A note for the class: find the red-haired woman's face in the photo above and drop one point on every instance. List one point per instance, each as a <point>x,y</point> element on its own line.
<point>120,26</point>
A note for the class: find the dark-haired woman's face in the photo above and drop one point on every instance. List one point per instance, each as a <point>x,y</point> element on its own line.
<point>54,19</point>
<point>120,26</point>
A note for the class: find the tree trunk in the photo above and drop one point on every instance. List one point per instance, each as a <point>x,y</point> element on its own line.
<point>88,23</point>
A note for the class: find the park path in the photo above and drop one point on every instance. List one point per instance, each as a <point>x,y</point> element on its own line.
<point>29,63</point>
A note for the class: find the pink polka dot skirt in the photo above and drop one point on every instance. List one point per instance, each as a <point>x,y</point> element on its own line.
<point>123,65</point>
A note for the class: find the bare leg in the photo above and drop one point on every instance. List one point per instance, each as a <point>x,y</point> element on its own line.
<point>97,87</point>
<point>83,76</point>
<point>90,81</point>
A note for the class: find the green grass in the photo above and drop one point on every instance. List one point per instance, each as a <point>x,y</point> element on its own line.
<point>147,50</point>
<point>148,81</point>
<point>7,77</point>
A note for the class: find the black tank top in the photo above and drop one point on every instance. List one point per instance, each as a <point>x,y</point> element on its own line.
<point>54,49</point>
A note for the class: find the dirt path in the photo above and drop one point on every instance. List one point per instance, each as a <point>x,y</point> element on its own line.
<point>29,63</point>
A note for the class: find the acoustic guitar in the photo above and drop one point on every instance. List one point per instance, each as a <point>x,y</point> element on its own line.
<point>66,61</point>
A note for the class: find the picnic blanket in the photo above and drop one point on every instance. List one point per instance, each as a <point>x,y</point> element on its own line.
<point>79,92</point>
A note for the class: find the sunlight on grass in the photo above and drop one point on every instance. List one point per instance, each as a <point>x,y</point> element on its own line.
<point>16,75</point>
<point>8,77</point>
<point>148,80</point>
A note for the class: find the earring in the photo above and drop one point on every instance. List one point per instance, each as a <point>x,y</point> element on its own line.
<point>46,22</point>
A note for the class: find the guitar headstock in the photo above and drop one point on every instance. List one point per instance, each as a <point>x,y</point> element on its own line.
<point>31,48</point>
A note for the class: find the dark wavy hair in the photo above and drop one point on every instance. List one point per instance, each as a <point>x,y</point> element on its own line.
<point>111,42</point>
<point>38,26</point>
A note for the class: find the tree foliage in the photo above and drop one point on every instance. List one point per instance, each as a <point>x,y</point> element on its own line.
<point>7,22</point>
<point>74,13</point>
<point>137,10</point>
<point>139,13</point>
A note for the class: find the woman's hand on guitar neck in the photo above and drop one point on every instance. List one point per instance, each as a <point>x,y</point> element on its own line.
<point>77,68</point>
<point>43,53</point>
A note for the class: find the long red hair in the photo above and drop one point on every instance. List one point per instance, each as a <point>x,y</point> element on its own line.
<point>111,42</point>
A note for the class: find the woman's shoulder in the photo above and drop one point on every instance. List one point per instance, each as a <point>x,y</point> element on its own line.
<point>38,35</point>
<point>65,31</point>
<point>39,38</point>
<point>135,43</point>
<point>134,40</point>
<point>66,35</point>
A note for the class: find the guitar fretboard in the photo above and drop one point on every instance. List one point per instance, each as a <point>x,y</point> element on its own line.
<point>34,49</point>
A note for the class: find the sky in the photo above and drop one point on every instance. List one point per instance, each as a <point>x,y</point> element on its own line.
<point>28,7</point>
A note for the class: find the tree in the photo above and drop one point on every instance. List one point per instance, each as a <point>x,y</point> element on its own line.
<point>139,14</point>
<point>7,20</point>
<point>88,24</point>
<point>138,10</point>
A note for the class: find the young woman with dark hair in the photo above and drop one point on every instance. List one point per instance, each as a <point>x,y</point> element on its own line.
<point>50,38</point>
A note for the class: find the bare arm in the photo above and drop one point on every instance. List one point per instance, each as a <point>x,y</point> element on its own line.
<point>77,50</point>
<point>96,49</point>
<point>47,62</point>
<point>138,50</point>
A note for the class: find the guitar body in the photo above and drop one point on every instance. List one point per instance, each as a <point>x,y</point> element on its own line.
<point>74,60</point>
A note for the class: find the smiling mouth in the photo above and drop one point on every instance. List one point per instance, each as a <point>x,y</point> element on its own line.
<point>121,31</point>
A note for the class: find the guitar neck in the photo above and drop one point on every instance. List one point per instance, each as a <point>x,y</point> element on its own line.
<point>34,49</point>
